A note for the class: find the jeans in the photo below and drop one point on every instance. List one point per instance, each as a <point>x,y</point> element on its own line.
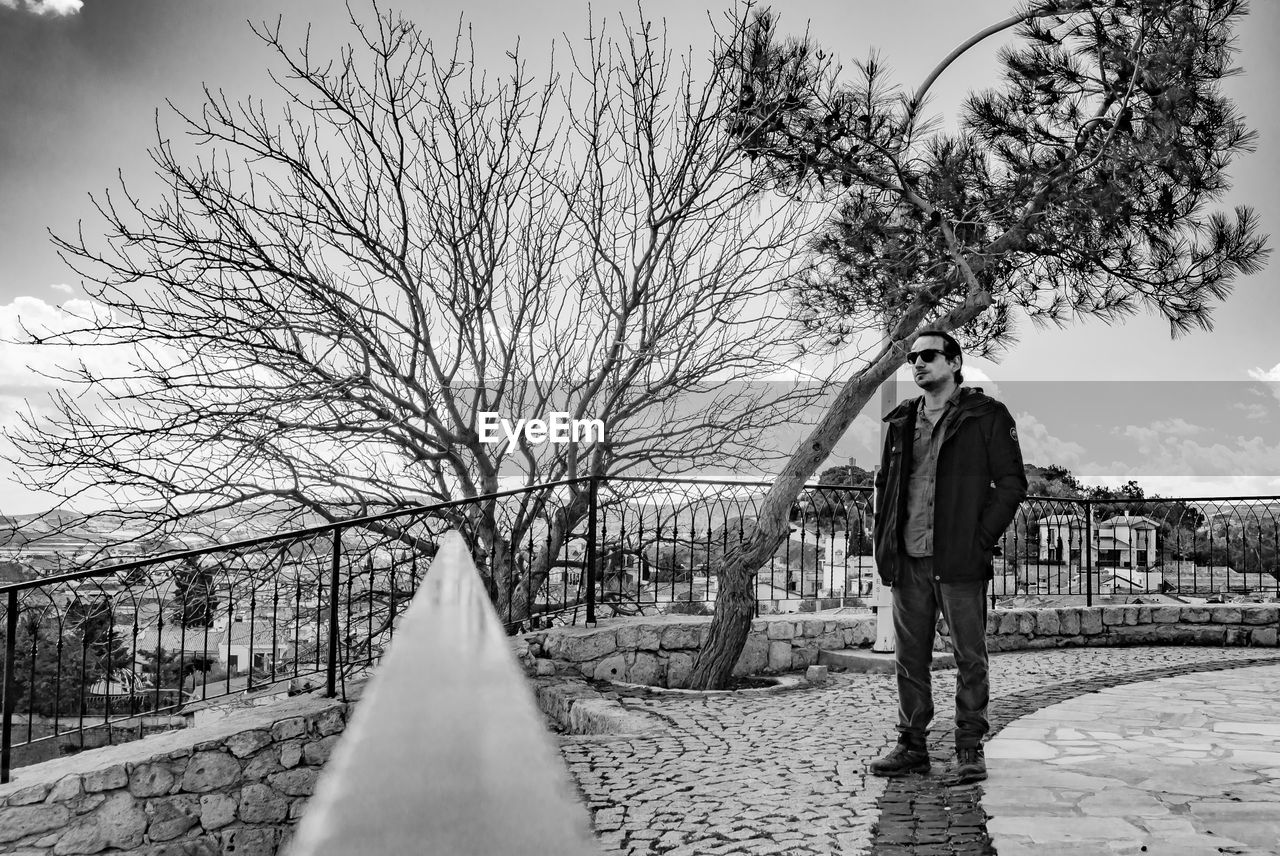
<point>917,600</point>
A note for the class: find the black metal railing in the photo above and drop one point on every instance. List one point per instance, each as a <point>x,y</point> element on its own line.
<point>106,651</point>
<point>1181,547</point>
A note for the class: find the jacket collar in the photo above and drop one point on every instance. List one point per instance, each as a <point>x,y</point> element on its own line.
<point>971,401</point>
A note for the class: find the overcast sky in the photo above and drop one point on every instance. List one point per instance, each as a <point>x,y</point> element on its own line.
<point>80,83</point>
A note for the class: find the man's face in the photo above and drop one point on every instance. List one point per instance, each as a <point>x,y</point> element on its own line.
<point>935,373</point>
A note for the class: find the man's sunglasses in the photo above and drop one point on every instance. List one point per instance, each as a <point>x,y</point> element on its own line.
<point>926,354</point>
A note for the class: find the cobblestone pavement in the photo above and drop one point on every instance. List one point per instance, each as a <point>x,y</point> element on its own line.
<point>785,772</point>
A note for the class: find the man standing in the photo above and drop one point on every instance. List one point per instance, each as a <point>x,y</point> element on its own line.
<point>950,481</point>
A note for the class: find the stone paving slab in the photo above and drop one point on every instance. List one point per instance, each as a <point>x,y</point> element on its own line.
<point>1180,765</point>
<point>786,772</point>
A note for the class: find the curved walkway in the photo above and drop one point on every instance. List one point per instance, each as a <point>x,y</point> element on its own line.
<point>1187,765</point>
<point>785,773</point>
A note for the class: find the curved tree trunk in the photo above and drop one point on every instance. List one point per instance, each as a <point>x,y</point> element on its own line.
<point>736,601</point>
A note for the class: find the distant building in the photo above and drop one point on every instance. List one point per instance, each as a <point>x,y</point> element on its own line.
<point>1125,542</point>
<point>1061,537</point>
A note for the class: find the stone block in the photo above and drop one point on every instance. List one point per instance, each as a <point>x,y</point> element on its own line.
<point>810,627</point>
<point>1166,614</point>
<point>1194,615</point>
<point>28,795</point>
<point>803,658</point>
<point>861,635</point>
<point>209,771</point>
<point>204,845</point>
<point>106,779</point>
<point>217,810</point>
<point>649,638</point>
<point>610,669</point>
<point>543,668</point>
<point>1165,634</point>
<point>830,641</point>
<point>317,752</point>
<point>1008,622</point>
<point>779,655</point>
<point>1069,621</point>
<point>66,789</point>
<point>1236,635</point>
<point>1264,637</point>
<point>1227,615</point>
<point>628,635</point>
<point>151,780</point>
<point>681,637</point>
<point>246,743</point>
<point>119,822</point>
<point>1027,622</point>
<point>1047,622</point>
<point>263,764</point>
<point>780,630</point>
<point>817,674</point>
<point>169,817</point>
<point>286,729</point>
<point>291,754</point>
<point>295,783</point>
<point>1259,613</point>
<point>1112,615</point>
<point>1131,618</point>
<point>679,665</point>
<point>249,841</point>
<point>647,669</point>
<point>592,646</point>
<point>1206,634</point>
<point>20,821</point>
<point>261,803</point>
<point>754,656</point>
<point>88,803</point>
<point>1090,622</point>
<point>332,721</point>
<point>298,808</point>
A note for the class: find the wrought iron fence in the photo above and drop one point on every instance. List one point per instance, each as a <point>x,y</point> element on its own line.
<point>112,647</point>
<point>1177,548</point>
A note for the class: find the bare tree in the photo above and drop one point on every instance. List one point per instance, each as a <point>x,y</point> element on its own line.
<point>339,282</point>
<point>1075,188</point>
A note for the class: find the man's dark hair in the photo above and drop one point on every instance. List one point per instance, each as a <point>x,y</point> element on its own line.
<point>950,349</point>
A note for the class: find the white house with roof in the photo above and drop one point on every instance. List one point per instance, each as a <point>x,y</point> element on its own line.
<point>1125,541</point>
<point>1061,537</point>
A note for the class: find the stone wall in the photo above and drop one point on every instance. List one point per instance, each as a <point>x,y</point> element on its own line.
<point>659,651</point>
<point>1252,624</point>
<point>237,785</point>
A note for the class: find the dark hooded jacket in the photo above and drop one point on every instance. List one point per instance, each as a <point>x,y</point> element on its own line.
<point>980,482</point>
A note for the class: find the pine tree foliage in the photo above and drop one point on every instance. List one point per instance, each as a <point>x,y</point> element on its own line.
<point>1078,186</point>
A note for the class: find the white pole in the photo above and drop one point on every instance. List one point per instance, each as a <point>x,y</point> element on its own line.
<point>881,594</point>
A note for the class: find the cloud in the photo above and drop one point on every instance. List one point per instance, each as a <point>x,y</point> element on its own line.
<point>1041,448</point>
<point>51,8</point>
<point>1176,427</point>
<point>1271,377</point>
<point>30,366</point>
<point>63,287</point>
<point>1162,455</point>
<point>1251,411</point>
